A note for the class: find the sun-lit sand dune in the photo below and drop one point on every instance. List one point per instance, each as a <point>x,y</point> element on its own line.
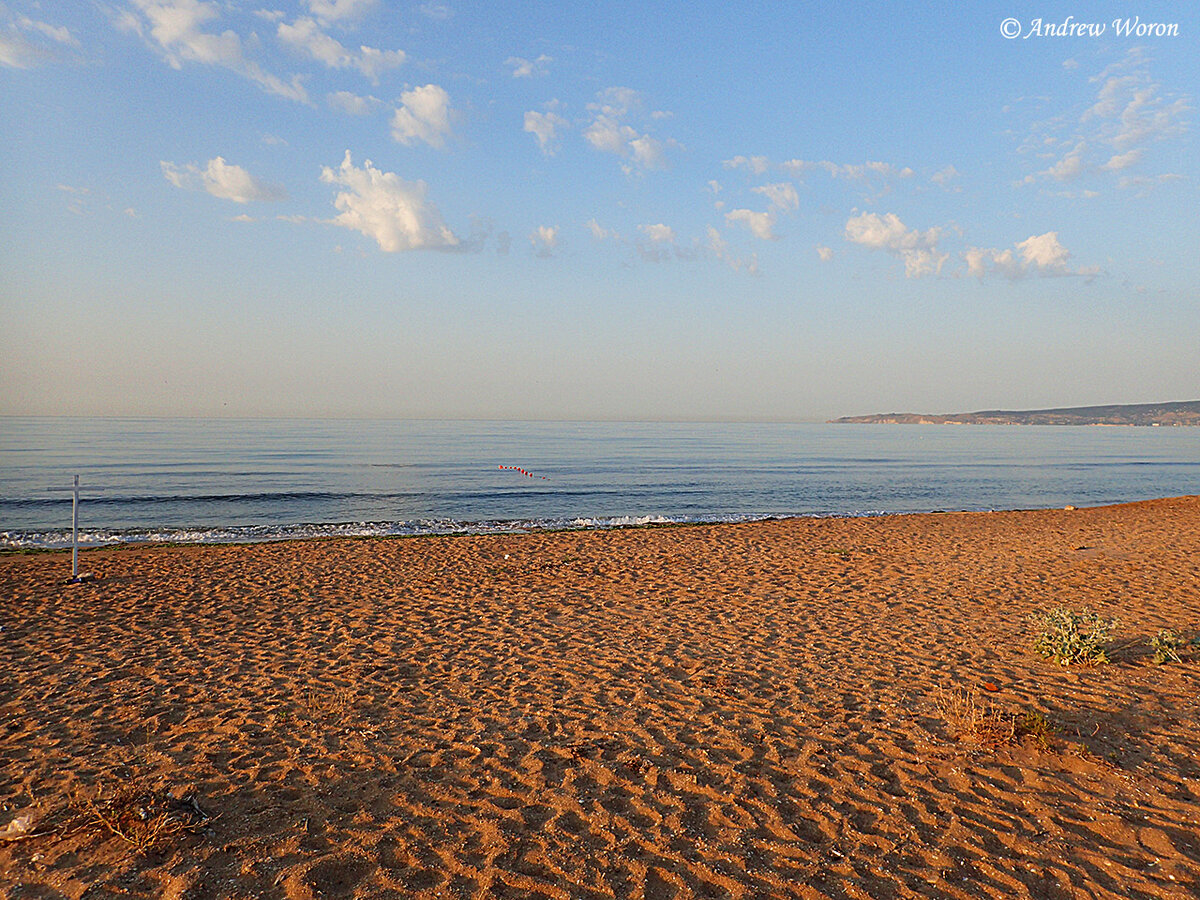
<point>744,711</point>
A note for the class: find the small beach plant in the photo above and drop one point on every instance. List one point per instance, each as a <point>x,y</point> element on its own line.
<point>1035,725</point>
<point>1073,638</point>
<point>1166,645</point>
<point>973,719</point>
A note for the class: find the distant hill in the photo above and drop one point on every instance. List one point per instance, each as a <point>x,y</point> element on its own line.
<point>1182,413</point>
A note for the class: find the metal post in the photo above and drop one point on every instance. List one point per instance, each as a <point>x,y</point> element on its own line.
<point>75,531</point>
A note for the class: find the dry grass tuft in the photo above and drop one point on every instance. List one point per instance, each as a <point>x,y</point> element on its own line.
<point>973,719</point>
<point>335,703</point>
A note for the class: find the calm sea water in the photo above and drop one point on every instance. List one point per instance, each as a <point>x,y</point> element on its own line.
<point>237,480</point>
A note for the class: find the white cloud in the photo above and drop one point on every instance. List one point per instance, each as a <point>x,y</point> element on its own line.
<point>782,196</point>
<point>873,173</point>
<point>306,36</point>
<point>386,208</point>
<point>544,126</point>
<point>1146,182</point>
<point>525,68</point>
<point>797,166</point>
<point>340,10</point>
<point>18,53</point>
<point>1044,251</point>
<point>544,239</point>
<point>759,223</point>
<point>175,28</point>
<point>58,34</point>
<point>1129,109</point>
<point>944,176</point>
<point>658,244</point>
<point>887,232</point>
<point>659,233</point>
<point>1003,262</point>
<point>221,179</point>
<point>648,152</point>
<point>1040,254</point>
<point>609,133</point>
<point>1121,161</point>
<point>617,101</point>
<point>424,115</point>
<point>718,248</point>
<point>1128,114</point>
<point>976,259</point>
<point>865,170</point>
<point>351,104</point>
<point>599,232</point>
<point>1070,166</point>
<point>756,164</point>
<point>437,11</point>
<point>923,262</point>
<point>918,249</point>
<point>825,253</point>
<point>717,244</point>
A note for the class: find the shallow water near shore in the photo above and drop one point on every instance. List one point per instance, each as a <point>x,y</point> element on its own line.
<point>244,480</point>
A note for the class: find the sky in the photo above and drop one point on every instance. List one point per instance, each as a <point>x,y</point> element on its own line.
<point>635,211</point>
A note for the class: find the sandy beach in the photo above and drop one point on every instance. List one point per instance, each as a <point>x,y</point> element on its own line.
<point>760,710</point>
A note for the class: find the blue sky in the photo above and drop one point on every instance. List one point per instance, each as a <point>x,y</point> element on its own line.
<point>758,211</point>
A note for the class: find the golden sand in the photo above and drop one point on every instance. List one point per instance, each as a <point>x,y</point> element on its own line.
<point>763,710</point>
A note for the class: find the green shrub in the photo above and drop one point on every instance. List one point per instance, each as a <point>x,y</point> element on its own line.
<point>1073,638</point>
<point>1166,646</point>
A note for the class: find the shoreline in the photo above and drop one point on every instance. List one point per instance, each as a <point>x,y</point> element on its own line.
<point>503,527</point>
<point>744,710</point>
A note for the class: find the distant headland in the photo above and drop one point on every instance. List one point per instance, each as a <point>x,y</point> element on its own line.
<point>1181,413</point>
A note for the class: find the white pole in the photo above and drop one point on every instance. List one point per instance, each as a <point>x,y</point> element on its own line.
<point>75,531</point>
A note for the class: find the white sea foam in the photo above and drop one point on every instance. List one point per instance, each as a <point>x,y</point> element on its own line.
<point>237,534</point>
<point>626,521</point>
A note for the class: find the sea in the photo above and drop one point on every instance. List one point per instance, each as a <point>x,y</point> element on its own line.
<point>148,480</point>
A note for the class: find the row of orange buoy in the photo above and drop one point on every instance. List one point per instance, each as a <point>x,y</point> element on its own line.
<point>523,472</point>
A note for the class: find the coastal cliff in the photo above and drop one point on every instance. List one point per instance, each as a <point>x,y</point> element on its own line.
<point>1173,414</point>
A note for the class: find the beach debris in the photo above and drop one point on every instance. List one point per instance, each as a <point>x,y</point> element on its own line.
<point>142,818</point>
<point>18,829</point>
<point>523,472</point>
<point>991,687</point>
